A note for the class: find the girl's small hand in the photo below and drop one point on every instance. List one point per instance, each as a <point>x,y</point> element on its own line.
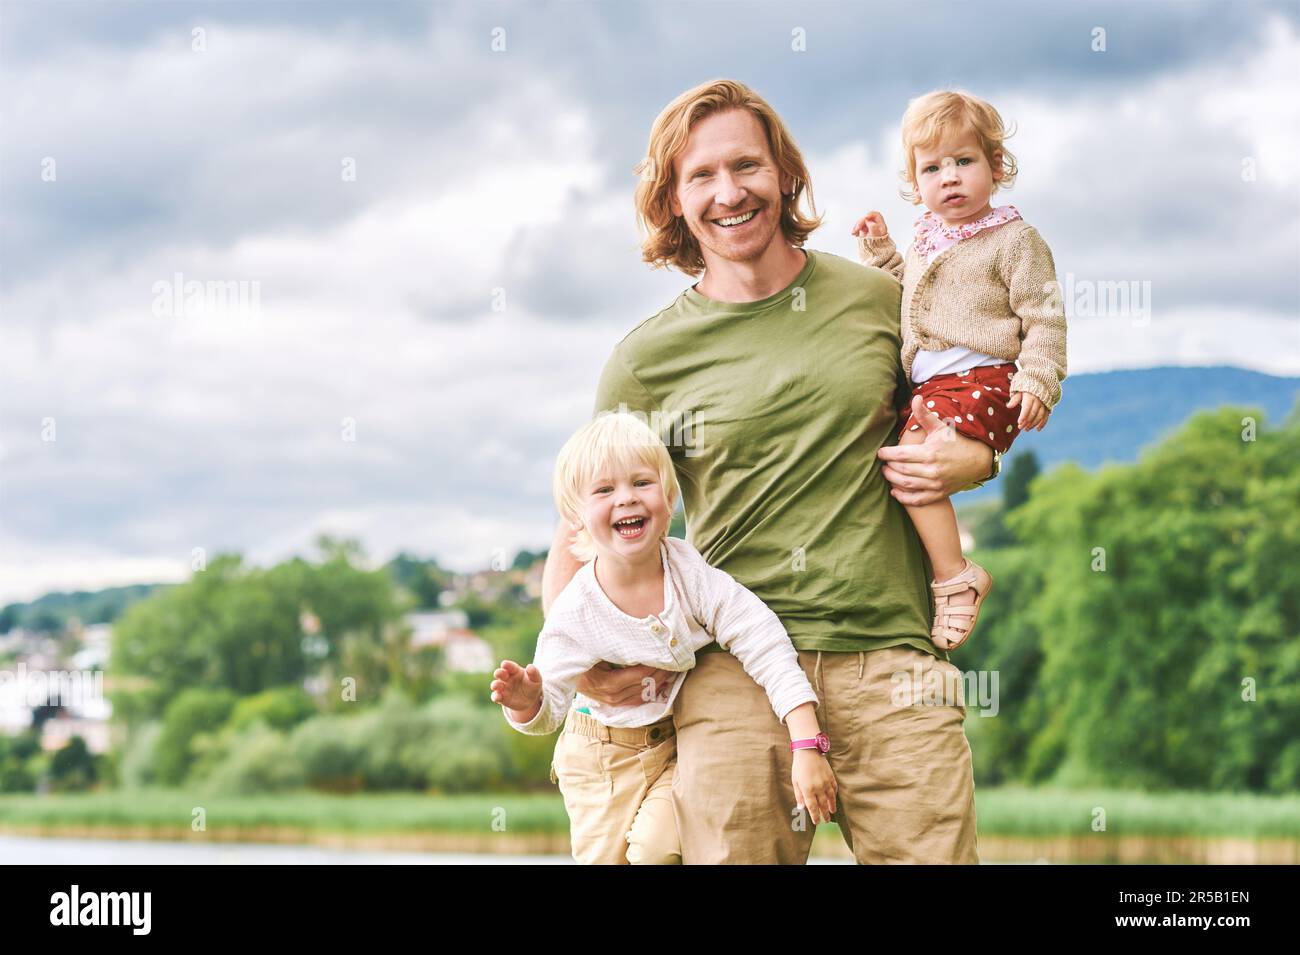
<point>1033,413</point>
<point>871,225</point>
<point>515,687</point>
<point>814,785</point>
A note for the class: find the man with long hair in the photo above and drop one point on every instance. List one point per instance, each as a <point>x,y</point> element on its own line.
<point>782,365</point>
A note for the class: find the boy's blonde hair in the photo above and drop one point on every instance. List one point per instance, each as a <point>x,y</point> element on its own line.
<point>930,116</point>
<point>612,439</point>
<point>668,241</point>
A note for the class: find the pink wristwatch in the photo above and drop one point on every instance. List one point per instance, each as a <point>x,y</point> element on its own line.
<point>821,742</point>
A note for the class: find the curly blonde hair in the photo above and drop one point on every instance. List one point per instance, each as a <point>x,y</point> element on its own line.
<point>931,116</point>
<point>611,440</point>
<point>667,240</point>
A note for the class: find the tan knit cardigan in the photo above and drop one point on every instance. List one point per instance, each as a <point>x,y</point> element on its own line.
<point>994,292</point>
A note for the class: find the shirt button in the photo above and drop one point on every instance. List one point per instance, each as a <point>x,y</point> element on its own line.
<point>655,628</point>
<point>672,642</point>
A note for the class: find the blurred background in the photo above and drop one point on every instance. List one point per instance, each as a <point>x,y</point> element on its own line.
<point>300,300</point>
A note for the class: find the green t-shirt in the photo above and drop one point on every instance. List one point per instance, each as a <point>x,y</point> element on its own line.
<point>773,412</point>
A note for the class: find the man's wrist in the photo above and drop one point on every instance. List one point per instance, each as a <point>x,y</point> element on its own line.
<point>996,469</point>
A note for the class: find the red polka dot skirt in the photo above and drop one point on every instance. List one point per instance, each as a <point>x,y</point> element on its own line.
<point>974,402</point>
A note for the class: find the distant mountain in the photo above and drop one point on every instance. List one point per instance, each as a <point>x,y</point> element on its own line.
<point>51,612</point>
<point>1104,416</point>
<point>1113,415</point>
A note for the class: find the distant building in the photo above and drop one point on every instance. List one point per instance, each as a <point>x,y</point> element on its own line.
<point>533,580</point>
<point>464,650</point>
<point>12,642</point>
<point>96,642</point>
<point>37,676</point>
<point>429,627</point>
<point>468,653</point>
<point>56,733</point>
<point>15,713</point>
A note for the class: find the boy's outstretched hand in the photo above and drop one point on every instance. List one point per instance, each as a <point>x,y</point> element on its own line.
<point>871,225</point>
<point>517,689</point>
<point>1033,413</point>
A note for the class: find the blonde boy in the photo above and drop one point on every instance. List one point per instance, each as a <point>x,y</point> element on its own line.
<point>643,598</point>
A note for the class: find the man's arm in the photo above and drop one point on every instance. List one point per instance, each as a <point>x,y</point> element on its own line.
<point>560,567</point>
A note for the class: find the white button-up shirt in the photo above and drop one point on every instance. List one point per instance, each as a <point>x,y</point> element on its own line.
<point>701,604</point>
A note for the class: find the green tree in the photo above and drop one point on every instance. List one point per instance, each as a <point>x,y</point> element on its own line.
<point>1164,594</point>
<point>72,768</point>
<point>194,712</point>
<point>280,708</point>
<point>423,580</point>
<point>526,558</point>
<point>376,661</point>
<point>242,628</point>
<point>1015,485</point>
<point>17,755</point>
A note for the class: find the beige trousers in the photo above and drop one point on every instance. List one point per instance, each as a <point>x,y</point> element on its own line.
<point>617,788</point>
<point>906,792</point>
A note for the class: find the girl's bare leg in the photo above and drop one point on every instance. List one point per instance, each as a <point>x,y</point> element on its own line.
<point>936,524</point>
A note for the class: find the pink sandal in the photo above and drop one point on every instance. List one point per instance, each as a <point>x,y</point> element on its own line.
<point>944,635</point>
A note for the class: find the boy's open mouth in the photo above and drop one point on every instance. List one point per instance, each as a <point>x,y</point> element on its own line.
<point>630,527</point>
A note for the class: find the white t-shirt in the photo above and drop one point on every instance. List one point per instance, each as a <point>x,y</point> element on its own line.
<point>927,364</point>
<point>701,604</point>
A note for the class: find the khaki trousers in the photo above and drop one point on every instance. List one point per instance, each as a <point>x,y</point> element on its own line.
<point>905,788</point>
<point>617,788</point>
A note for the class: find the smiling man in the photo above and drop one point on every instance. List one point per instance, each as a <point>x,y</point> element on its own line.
<point>783,364</point>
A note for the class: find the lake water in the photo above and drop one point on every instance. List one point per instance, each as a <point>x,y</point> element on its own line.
<point>28,850</point>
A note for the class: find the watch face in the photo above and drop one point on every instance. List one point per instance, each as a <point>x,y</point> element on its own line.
<point>823,742</point>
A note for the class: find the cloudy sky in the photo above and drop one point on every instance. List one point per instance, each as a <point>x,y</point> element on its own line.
<point>367,174</point>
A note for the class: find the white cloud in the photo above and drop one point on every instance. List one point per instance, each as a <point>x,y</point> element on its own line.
<point>224,430</point>
<point>1142,185</point>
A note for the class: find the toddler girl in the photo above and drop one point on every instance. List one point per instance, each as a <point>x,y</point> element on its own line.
<point>979,292</point>
<point>643,598</point>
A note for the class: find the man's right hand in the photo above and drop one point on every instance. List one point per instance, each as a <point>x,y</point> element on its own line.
<point>939,467</point>
<point>622,686</point>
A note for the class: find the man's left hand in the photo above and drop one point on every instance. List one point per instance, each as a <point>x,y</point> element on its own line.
<point>945,463</point>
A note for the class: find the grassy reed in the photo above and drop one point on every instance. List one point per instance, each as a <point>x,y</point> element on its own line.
<point>1001,812</point>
